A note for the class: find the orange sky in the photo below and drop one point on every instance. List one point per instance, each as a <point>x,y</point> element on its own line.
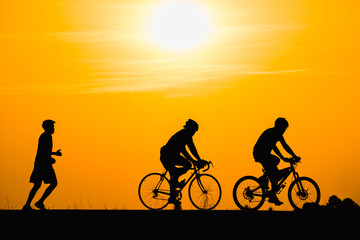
<point>117,97</point>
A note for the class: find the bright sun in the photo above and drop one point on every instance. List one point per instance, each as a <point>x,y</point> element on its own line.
<point>179,25</point>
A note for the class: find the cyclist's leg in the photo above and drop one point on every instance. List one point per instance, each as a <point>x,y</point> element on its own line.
<point>270,166</point>
<point>183,163</point>
<point>263,180</point>
<point>180,166</point>
<point>274,179</point>
<point>176,164</point>
<point>166,160</point>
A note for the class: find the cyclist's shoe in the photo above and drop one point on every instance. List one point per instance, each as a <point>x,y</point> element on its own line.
<point>174,201</point>
<point>275,200</point>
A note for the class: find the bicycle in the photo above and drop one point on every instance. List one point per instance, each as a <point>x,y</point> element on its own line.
<point>249,192</point>
<point>204,190</point>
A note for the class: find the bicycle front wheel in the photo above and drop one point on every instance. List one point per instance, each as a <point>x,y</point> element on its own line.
<point>248,193</point>
<point>154,191</point>
<point>204,192</point>
<point>303,190</point>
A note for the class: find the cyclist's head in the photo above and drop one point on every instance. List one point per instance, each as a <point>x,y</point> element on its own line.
<point>48,126</point>
<point>191,125</point>
<point>281,124</point>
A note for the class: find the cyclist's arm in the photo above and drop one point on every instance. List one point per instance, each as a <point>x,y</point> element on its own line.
<point>187,156</point>
<point>193,150</point>
<point>287,147</point>
<point>277,151</point>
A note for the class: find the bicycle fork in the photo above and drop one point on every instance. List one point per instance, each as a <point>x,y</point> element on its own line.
<point>301,191</point>
<point>201,185</point>
<point>204,192</point>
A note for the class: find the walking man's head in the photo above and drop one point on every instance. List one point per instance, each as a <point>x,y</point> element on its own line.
<point>48,126</point>
<point>281,124</point>
<point>191,126</point>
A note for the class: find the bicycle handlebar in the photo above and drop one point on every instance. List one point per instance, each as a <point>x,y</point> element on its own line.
<point>294,159</point>
<point>208,166</point>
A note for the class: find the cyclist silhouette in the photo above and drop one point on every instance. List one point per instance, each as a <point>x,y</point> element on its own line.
<point>176,159</point>
<point>262,154</point>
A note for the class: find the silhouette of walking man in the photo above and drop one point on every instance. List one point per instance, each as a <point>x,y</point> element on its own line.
<point>43,170</point>
<point>262,154</point>
<point>174,162</point>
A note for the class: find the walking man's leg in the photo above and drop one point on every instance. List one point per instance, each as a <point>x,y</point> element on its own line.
<point>31,196</point>
<point>48,191</point>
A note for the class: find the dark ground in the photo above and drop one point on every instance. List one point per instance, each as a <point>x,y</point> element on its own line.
<point>168,224</point>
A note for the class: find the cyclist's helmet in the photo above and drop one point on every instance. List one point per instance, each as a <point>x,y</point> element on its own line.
<point>191,124</point>
<point>281,123</point>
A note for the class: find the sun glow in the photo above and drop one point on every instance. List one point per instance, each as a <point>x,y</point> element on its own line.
<point>179,25</point>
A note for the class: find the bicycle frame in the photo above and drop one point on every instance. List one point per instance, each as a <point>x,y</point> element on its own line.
<point>285,172</point>
<point>194,173</point>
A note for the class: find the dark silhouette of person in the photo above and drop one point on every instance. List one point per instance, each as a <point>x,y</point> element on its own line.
<point>43,169</point>
<point>262,154</point>
<point>176,159</point>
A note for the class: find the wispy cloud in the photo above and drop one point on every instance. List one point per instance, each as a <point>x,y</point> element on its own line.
<point>154,76</point>
<point>274,72</point>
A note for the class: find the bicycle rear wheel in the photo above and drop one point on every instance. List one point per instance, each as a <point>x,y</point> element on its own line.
<point>204,192</point>
<point>248,193</point>
<point>303,190</point>
<point>154,191</point>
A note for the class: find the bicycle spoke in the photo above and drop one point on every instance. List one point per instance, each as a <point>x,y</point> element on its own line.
<point>205,192</point>
<point>303,191</point>
<point>154,191</point>
<point>248,194</point>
